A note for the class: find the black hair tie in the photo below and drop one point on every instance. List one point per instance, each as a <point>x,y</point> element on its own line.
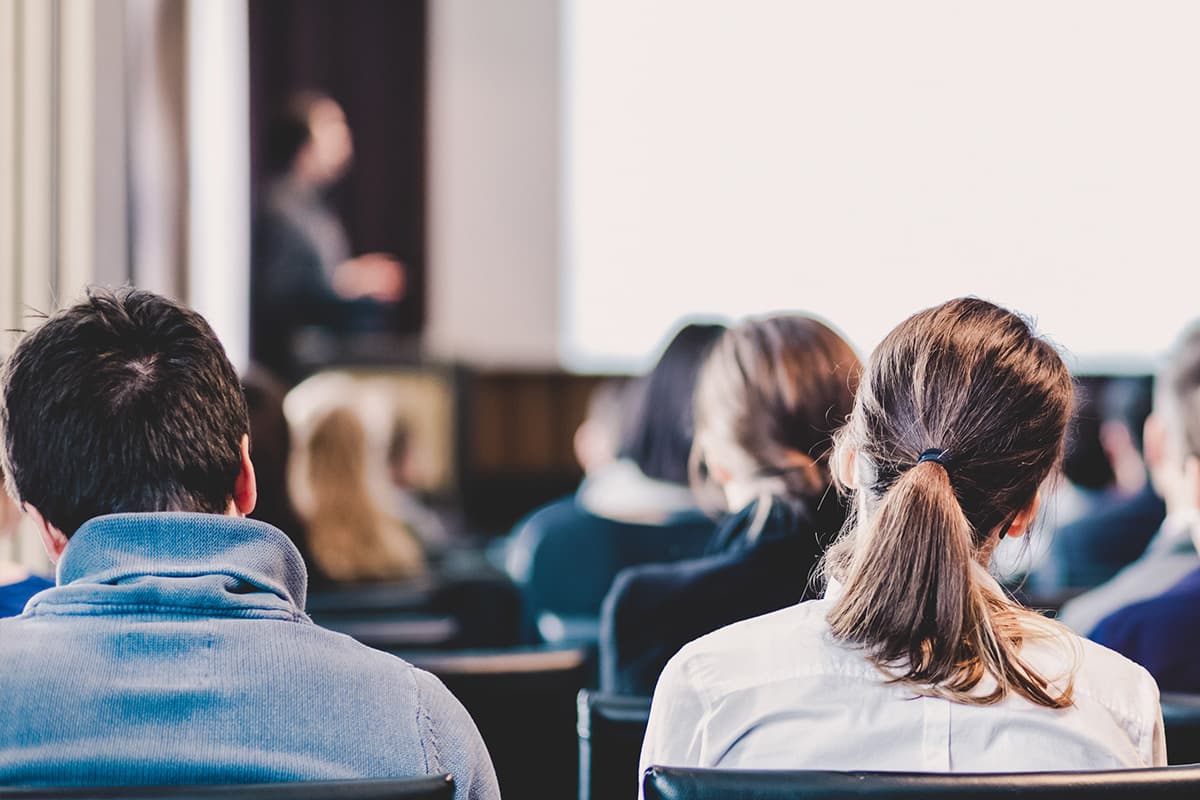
<point>936,455</point>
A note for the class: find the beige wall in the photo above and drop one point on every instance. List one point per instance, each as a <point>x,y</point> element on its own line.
<point>494,136</point>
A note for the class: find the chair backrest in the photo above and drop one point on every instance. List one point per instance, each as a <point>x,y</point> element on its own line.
<point>479,608</point>
<point>677,783</point>
<point>1181,717</point>
<point>565,558</point>
<point>611,729</point>
<point>523,701</point>
<point>432,787</point>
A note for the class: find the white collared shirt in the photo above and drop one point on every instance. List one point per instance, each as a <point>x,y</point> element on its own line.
<point>778,692</point>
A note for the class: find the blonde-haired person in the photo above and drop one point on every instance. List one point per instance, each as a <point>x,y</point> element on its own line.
<point>338,473</point>
<point>915,660</point>
<point>767,399</point>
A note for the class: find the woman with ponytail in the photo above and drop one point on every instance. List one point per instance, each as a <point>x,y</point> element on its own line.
<point>767,400</point>
<point>915,659</point>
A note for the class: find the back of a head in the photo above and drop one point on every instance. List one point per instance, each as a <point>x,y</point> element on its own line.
<point>659,435</point>
<point>959,419</point>
<point>1085,463</point>
<point>769,397</point>
<point>289,128</point>
<point>125,402</point>
<point>1177,394</point>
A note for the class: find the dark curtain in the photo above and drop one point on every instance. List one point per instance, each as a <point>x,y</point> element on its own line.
<point>369,55</point>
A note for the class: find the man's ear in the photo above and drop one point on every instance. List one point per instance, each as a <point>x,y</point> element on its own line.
<point>245,488</point>
<point>1025,517</point>
<point>54,540</point>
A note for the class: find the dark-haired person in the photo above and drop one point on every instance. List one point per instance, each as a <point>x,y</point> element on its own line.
<point>767,400</point>
<point>1171,554</point>
<point>1162,632</point>
<point>915,660</point>
<point>175,648</point>
<point>1117,510</point>
<point>304,272</point>
<point>643,492</point>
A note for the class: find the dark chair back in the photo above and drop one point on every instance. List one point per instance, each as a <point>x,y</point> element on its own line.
<point>611,730</point>
<point>565,559</point>
<point>477,610</point>
<point>675,783</point>
<point>433,787</point>
<point>1181,716</point>
<point>523,701</point>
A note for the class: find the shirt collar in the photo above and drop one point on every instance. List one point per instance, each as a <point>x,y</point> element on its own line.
<point>117,548</point>
<point>834,588</point>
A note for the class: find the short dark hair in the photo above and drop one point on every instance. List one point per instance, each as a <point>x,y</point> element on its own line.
<point>659,435</point>
<point>289,128</point>
<point>125,402</point>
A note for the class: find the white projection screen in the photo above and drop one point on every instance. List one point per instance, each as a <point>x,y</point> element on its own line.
<point>862,160</point>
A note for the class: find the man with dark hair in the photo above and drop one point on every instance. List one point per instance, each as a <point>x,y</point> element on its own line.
<point>175,647</point>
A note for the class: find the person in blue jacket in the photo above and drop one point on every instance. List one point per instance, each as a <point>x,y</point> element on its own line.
<point>175,647</point>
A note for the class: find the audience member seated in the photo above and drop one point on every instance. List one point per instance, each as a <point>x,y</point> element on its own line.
<point>648,482</point>
<point>1107,511</point>
<point>270,449</point>
<point>341,481</point>
<point>766,402</point>
<point>915,660</point>
<point>1163,633</point>
<point>175,648</point>
<point>1171,554</point>
<point>17,584</point>
<point>633,509</point>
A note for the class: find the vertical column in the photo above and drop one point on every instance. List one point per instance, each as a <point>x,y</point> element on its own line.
<point>10,186</point>
<point>76,136</point>
<point>37,176</point>
<point>218,284</point>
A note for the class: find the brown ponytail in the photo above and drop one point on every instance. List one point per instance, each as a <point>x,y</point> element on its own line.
<point>973,380</point>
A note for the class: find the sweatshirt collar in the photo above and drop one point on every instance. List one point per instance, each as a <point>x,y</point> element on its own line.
<point>118,548</point>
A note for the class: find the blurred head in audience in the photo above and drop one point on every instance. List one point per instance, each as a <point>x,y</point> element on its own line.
<point>769,397</point>
<point>308,139</point>
<point>960,417</point>
<point>1104,438</point>
<point>1172,439</point>
<point>340,475</point>
<point>124,402</point>
<point>598,438</point>
<point>659,435</point>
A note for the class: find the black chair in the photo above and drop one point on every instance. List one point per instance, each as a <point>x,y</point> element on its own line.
<point>677,783</point>
<point>523,701</point>
<point>481,610</point>
<point>611,729</point>
<point>1181,717</point>
<point>433,787</point>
